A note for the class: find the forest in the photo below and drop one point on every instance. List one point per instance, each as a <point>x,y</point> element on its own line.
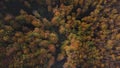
<point>59,33</point>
